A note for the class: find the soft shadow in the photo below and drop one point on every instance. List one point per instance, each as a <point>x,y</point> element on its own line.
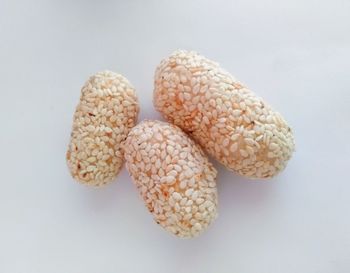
<point>237,191</point>
<point>108,197</point>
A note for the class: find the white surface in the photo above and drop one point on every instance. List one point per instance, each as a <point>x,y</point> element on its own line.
<point>295,54</point>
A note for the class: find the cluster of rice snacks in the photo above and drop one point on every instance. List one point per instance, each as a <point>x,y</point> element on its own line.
<point>107,110</point>
<point>228,120</point>
<point>173,175</point>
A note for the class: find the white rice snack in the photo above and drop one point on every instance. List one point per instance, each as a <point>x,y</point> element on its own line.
<point>228,120</point>
<point>107,110</point>
<point>173,176</point>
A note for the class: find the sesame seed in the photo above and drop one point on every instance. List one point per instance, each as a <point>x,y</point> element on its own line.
<point>183,184</point>
<point>183,201</point>
<point>171,201</point>
<point>187,96</point>
<point>236,112</point>
<point>270,155</point>
<point>189,192</point>
<point>250,150</point>
<point>189,203</point>
<point>234,147</point>
<point>235,137</point>
<point>243,153</point>
<point>183,155</point>
<point>91,168</point>
<point>170,149</point>
<point>172,173</point>
<point>177,207</point>
<point>199,201</point>
<point>196,89</point>
<point>195,195</point>
<point>273,146</point>
<point>189,173</point>
<point>177,196</point>
<point>158,137</point>
<point>249,141</point>
<point>197,226</point>
<point>170,179</point>
<point>259,138</point>
<point>91,159</point>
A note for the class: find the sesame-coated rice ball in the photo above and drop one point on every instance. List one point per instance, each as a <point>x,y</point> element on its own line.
<point>228,120</point>
<point>173,176</point>
<point>107,110</point>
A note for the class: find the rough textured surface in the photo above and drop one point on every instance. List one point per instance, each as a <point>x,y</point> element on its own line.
<point>107,110</point>
<point>228,120</point>
<point>173,176</point>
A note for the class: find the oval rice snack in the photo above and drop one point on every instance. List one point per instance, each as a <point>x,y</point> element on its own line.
<point>228,120</point>
<point>107,110</point>
<point>173,176</point>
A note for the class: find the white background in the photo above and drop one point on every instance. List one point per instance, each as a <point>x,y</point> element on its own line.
<point>295,54</point>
